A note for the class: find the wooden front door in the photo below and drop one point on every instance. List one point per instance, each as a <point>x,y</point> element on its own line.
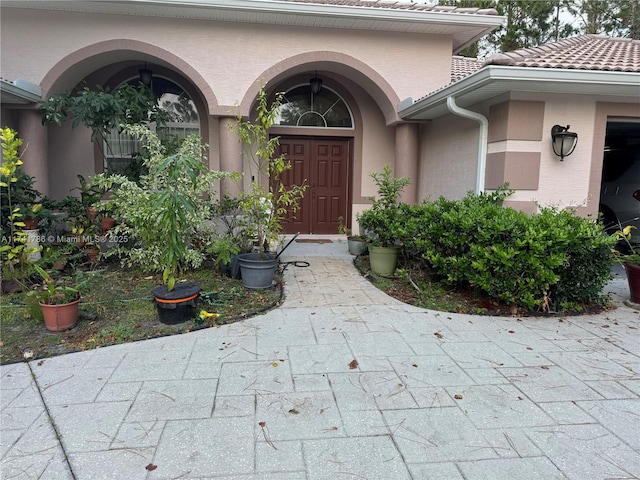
<point>323,164</point>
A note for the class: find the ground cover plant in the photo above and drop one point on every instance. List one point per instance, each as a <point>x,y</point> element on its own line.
<point>117,307</point>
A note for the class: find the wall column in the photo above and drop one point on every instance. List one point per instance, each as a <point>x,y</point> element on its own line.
<point>407,155</point>
<point>34,148</point>
<point>230,154</point>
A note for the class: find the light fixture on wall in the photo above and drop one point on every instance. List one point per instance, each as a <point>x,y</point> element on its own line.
<point>563,141</point>
<point>316,84</point>
<point>145,75</point>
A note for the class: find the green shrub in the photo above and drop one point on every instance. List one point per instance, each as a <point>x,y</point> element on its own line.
<point>382,222</point>
<point>553,256</point>
<point>588,265</point>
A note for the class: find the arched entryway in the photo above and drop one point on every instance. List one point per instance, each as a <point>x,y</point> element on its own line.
<point>320,159</point>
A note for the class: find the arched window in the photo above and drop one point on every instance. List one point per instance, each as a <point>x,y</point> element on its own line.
<point>302,108</point>
<point>120,149</point>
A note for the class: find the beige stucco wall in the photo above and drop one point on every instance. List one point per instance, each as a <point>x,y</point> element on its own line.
<point>226,63</point>
<point>230,57</point>
<point>448,157</point>
<point>449,149</point>
<point>573,183</point>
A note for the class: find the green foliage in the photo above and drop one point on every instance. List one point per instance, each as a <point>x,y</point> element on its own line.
<point>588,263</point>
<point>382,222</point>
<point>90,194</point>
<point>266,206</point>
<point>633,255</point>
<point>51,292</point>
<point>160,215</point>
<point>102,110</point>
<point>233,236</point>
<point>17,198</point>
<point>529,261</point>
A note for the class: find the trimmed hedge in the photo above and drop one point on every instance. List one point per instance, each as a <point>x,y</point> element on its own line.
<point>553,256</point>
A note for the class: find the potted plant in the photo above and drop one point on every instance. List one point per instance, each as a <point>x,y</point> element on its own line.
<point>90,195</point>
<point>380,222</point>
<point>268,201</point>
<point>159,217</point>
<point>231,237</point>
<point>58,301</point>
<point>630,260</point>
<point>357,244</point>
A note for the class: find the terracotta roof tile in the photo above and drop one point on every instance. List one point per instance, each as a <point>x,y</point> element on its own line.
<point>584,52</point>
<point>401,5</point>
<point>463,66</point>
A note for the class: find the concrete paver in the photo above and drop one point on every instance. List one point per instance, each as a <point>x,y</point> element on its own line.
<point>341,381</point>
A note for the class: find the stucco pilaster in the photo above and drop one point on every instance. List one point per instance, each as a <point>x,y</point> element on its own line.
<point>230,153</point>
<point>407,154</point>
<point>34,151</point>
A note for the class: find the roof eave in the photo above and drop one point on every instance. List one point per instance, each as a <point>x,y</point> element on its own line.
<point>491,81</point>
<point>19,92</point>
<point>465,28</point>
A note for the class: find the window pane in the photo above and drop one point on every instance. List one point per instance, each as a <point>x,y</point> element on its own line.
<point>301,108</point>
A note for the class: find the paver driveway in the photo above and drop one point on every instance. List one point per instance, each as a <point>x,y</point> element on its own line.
<point>341,382</point>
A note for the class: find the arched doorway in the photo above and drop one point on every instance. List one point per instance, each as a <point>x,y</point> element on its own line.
<point>321,159</point>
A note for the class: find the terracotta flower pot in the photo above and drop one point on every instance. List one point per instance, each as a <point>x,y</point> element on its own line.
<point>107,224</point>
<point>60,318</point>
<point>633,277</point>
<point>30,223</point>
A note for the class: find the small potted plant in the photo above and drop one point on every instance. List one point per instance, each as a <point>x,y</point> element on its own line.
<point>264,206</point>
<point>380,222</point>
<point>357,244</point>
<point>58,300</point>
<point>90,195</point>
<point>630,260</point>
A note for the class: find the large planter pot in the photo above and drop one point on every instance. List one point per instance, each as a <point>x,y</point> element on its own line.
<point>633,277</point>
<point>60,318</point>
<point>383,260</point>
<point>178,305</point>
<point>356,246</point>
<point>257,272</point>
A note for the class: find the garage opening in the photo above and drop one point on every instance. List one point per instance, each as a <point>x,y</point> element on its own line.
<point>620,189</point>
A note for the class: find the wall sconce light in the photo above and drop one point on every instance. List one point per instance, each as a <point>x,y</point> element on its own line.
<point>145,75</point>
<point>563,141</point>
<point>316,84</point>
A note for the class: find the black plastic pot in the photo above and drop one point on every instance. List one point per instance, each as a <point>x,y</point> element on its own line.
<point>178,305</point>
